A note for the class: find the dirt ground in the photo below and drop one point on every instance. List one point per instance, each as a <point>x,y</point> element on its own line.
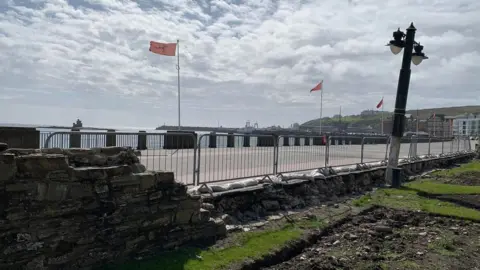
<point>393,239</point>
<point>471,201</point>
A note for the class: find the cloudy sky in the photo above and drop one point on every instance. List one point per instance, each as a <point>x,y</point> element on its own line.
<point>239,60</point>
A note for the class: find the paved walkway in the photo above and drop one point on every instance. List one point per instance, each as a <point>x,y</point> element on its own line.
<point>229,163</point>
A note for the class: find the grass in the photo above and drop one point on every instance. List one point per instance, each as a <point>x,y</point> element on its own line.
<point>246,245</point>
<point>405,198</point>
<point>439,188</point>
<point>408,196</point>
<point>473,166</point>
<point>409,199</point>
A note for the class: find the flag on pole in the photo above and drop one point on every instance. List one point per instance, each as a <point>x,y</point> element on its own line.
<point>380,104</point>
<point>318,87</point>
<point>167,49</point>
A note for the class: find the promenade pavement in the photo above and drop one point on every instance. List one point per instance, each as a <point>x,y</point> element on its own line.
<point>218,164</point>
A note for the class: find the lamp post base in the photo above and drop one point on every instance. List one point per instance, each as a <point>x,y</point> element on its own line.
<point>396,177</point>
<point>393,156</point>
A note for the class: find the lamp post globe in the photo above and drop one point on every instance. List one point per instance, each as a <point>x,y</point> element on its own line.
<point>395,49</point>
<point>418,56</point>
<point>397,43</point>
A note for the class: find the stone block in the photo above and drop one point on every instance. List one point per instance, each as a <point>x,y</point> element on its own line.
<point>204,215</point>
<point>164,178</point>
<point>56,191</point>
<point>8,168</point>
<point>56,151</point>
<point>185,216</point>
<point>120,183</point>
<point>146,180</point>
<point>112,150</point>
<point>189,204</point>
<point>127,157</point>
<point>138,168</point>
<point>59,176</point>
<point>3,146</point>
<point>22,151</point>
<point>118,170</point>
<point>85,157</point>
<point>89,173</point>
<point>39,165</point>
<point>80,190</point>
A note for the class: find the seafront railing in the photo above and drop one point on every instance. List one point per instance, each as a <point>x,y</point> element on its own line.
<point>198,159</point>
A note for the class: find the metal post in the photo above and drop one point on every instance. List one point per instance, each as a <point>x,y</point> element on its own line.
<point>276,149</point>
<point>327,151</point>
<point>400,105</point>
<point>362,148</point>
<point>429,145</point>
<point>178,82</point>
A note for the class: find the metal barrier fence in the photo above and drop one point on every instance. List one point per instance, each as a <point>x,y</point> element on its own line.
<point>224,157</point>
<point>156,151</point>
<point>242,156</point>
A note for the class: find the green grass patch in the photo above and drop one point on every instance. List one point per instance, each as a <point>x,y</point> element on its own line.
<point>244,245</point>
<point>439,188</point>
<point>408,199</point>
<point>473,166</point>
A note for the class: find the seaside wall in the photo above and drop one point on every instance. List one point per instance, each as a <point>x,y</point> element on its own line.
<point>20,137</point>
<point>79,208</point>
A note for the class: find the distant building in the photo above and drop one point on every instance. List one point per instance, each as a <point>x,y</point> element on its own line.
<point>439,126</point>
<point>369,112</point>
<point>466,124</point>
<point>77,124</point>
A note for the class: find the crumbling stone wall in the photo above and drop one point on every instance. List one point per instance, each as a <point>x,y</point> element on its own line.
<point>79,208</point>
<point>262,198</point>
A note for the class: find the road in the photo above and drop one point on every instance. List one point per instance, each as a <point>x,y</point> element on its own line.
<point>217,164</point>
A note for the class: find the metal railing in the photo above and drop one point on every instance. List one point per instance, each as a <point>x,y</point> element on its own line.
<point>235,157</point>
<point>211,158</point>
<point>156,151</point>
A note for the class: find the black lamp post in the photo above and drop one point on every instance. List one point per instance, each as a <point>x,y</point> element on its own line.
<point>400,41</point>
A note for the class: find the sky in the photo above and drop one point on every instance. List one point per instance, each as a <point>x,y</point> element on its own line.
<point>239,60</point>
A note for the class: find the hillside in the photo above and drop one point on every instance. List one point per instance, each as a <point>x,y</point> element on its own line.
<point>374,120</point>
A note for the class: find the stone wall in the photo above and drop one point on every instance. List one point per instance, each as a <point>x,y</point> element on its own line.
<point>258,199</point>
<point>79,208</point>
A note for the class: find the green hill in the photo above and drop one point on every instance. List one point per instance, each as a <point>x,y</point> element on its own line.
<point>374,119</point>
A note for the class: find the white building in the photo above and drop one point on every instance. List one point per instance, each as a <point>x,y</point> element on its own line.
<point>467,124</point>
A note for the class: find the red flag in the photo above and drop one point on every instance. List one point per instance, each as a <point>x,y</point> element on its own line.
<point>380,104</point>
<point>318,87</point>
<point>168,49</point>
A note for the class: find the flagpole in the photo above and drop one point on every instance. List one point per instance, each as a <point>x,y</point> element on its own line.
<point>382,115</point>
<point>340,116</point>
<point>321,109</point>
<point>178,80</point>
<point>418,121</point>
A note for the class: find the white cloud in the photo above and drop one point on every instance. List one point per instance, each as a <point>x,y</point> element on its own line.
<point>62,59</point>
